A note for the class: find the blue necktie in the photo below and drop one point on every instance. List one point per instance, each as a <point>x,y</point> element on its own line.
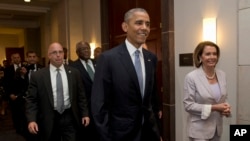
<point>59,91</point>
<point>138,70</point>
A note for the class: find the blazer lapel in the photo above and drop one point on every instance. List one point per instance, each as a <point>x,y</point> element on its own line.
<point>148,69</point>
<point>222,84</point>
<point>70,83</point>
<point>205,82</point>
<point>83,70</point>
<point>47,82</point>
<point>128,64</point>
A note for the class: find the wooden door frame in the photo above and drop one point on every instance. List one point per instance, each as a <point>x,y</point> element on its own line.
<point>168,61</point>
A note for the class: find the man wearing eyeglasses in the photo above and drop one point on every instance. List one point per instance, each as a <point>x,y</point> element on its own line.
<point>56,102</point>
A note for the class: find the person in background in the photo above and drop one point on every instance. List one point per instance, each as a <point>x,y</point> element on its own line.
<point>32,66</point>
<point>124,85</point>
<point>5,64</point>
<point>4,97</point>
<point>32,63</point>
<point>97,52</point>
<point>56,104</point>
<point>205,95</point>
<point>17,100</point>
<point>2,93</point>
<point>9,86</point>
<point>86,66</point>
<point>66,60</point>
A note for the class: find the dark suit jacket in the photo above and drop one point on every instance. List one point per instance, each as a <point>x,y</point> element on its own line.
<point>9,76</point>
<point>40,105</point>
<point>117,104</point>
<point>87,82</point>
<point>31,67</point>
<point>89,133</point>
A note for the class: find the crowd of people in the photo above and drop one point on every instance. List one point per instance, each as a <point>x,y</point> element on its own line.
<point>112,97</point>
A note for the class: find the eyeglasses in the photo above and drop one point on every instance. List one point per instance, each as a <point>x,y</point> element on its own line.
<point>56,52</point>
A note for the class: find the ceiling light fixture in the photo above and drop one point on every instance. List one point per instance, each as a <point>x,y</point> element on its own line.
<point>27,0</point>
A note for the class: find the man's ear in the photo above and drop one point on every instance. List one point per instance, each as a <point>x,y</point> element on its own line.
<point>124,27</point>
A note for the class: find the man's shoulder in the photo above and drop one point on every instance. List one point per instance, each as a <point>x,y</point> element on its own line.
<point>10,67</point>
<point>115,50</point>
<point>70,69</point>
<point>43,69</point>
<point>40,66</point>
<point>75,64</point>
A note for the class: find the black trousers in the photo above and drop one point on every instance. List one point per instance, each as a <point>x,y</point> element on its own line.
<point>18,115</point>
<point>64,127</point>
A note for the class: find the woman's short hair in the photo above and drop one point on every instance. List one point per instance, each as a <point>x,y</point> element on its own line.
<point>199,50</point>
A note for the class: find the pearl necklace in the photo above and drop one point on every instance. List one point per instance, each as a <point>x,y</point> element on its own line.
<point>210,77</point>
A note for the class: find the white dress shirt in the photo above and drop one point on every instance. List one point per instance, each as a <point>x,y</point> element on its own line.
<point>89,63</point>
<point>17,66</point>
<point>53,73</point>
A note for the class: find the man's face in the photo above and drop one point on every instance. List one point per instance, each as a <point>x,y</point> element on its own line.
<point>55,54</point>
<point>83,52</point>
<point>97,52</point>
<point>16,59</point>
<point>32,58</point>
<point>137,28</point>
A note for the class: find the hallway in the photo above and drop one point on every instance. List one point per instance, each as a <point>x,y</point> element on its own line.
<point>7,131</point>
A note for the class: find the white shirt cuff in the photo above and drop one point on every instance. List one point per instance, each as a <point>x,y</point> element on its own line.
<point>206,110</point>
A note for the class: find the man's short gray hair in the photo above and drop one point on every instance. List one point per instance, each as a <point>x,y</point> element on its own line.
<point>129,13</point>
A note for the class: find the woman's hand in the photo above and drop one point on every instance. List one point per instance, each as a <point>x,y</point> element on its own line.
<point>227,112</point>
<point>222,107</point>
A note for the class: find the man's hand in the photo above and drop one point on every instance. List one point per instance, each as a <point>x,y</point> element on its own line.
<point>33,127</point>
<point>85,121</point>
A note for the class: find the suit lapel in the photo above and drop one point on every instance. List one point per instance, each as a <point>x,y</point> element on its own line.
<point>205,82</point>
<point>128,64</point>
<point>47,82</point>
<point>70,83</point>
<point>83,70</point>
<point>221,82</point>
<point>148,69</point>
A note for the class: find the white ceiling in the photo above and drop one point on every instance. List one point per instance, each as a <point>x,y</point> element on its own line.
<point>18,12</point>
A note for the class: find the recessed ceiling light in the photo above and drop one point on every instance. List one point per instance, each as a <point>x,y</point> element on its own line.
<point>27,0</point>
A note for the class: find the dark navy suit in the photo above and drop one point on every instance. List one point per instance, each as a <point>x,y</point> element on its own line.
<point>120,113</point>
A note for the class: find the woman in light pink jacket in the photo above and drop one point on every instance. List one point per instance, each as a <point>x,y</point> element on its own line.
<point>205,95</point>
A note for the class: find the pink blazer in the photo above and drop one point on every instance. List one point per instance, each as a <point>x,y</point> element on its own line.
<point>198,93</point>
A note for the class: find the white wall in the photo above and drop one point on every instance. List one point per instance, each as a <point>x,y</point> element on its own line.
<point>71,22</point>
<point>84,23</point>
<point>188,33</point>
<point>92,21</point>
<point>244,63</point>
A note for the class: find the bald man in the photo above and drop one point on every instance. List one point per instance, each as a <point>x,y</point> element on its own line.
<point>45,117</point>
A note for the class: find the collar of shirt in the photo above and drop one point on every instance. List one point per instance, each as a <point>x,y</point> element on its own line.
<point>17,66</point>
<point>83,61</point>
<point>53,68</point>
<point>89,62</point>
<point>35,67</point>
<point>131,48</point>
